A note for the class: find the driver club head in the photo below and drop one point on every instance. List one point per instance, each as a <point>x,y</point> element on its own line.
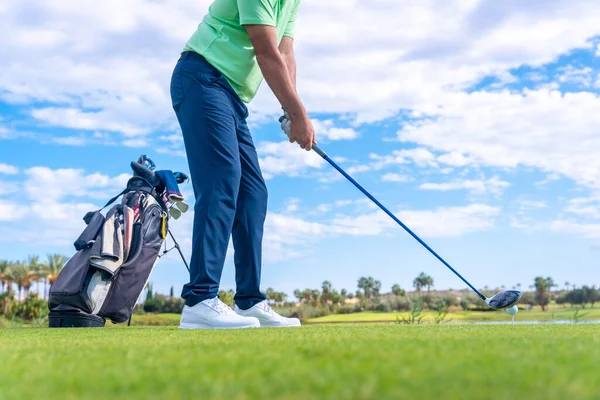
<point>504,299</point>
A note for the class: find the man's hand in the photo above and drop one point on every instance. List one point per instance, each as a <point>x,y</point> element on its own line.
<point>277,75</point>
<point>304,135</point>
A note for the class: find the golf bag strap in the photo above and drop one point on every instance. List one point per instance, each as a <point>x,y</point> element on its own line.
<point>142,185</point>
<point>127,189</point>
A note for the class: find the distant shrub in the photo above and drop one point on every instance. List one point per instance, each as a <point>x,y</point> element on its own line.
<point>306,311</point>
<point>383,307</point>
<point>347,309</point>
<point>173,305</point>
<point>32,308</point>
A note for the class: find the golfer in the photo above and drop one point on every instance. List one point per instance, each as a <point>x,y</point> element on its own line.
<point>237,45</point>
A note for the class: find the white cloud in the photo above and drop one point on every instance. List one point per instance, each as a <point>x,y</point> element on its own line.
<point>8,169</point>
<point>454,159</point>
<point>70,140</point>
<point>493,185</point>
<point>588,207</point>
<point>11,211</point>
<point>576,76</point>
<point>442,222</point>
<point>135,143</point>
<point>9,188</point>
<point>292,205</point>
<point>532,204</point>
<point>108,67</point>
<point>586,230</point>
<point>324,208</point>
<point>285,158</point>
<point>342,203</point>
<point>396,178</point>
<point>290,237</point>
<point>45,184</point>
<point>326,129</point>
<point>77,119</point>
<point>554,132</point>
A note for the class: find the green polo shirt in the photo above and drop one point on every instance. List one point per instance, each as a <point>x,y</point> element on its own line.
<point>222,39</point>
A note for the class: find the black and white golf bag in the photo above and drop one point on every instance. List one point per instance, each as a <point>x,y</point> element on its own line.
<point>116,254</point>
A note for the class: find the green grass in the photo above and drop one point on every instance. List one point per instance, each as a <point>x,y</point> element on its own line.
<point>471,316</point>
<point>316,362</point>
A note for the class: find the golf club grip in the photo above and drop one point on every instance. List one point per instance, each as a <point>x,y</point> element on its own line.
<point>320,152</point>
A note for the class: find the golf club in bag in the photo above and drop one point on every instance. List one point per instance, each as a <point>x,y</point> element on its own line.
<point>501,300</point>
<point>117,252</point>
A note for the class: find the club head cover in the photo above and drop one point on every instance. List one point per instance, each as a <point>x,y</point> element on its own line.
<point>180,177</point>
<point>143,172</point>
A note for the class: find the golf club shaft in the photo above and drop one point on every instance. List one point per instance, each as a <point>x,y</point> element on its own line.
<point>366,193</point>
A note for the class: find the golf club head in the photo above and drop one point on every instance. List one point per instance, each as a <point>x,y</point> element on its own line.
<point>174,212</point>
<point>505,299</point>
<point>183,206</point>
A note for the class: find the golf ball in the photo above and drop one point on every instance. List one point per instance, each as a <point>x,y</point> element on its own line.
<point>512,310</point>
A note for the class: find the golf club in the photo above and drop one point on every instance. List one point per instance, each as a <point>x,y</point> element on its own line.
<point>500,300</point>
<point>183,206</point>
<point>174,211</point>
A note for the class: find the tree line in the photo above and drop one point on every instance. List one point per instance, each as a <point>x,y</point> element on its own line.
<point>22,275</point>
<point>24,282</point>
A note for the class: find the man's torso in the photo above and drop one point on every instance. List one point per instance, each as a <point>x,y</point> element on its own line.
<point>225,43</point>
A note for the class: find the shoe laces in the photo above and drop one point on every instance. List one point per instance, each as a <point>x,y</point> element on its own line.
<point>220,307</point>
<point>267,307</point>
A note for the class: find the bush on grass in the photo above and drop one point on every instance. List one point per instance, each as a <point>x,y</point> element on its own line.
<point>160,303</point>
<point>306,311</point>
<point>32,308</point>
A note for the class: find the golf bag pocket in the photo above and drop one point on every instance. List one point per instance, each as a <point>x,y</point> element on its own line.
<point>127,285</point>
<point>94,221</point>
<point>131,278</point>
<point>79,284</point>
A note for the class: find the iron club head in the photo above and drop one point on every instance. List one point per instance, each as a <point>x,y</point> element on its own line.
<point>504,299</point>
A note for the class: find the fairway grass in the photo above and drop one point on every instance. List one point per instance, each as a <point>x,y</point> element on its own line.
<point>315,362</point>
<point>564,314</point>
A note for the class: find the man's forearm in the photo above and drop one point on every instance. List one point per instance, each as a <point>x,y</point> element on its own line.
<point>282,82</point>
<point>290,62</point>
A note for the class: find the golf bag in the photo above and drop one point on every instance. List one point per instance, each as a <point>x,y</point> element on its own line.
<point>116,254</point>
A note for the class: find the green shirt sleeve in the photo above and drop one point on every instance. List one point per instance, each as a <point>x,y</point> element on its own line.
<point>290,29</point>
<point>256,12</point>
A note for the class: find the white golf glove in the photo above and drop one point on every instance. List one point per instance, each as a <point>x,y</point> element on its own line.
<point>286,124</point>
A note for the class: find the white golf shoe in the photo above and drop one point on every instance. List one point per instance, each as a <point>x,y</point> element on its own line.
<point>214,314</point>
<point>267,317</point>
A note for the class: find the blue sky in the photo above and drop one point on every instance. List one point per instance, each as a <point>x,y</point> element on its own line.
<point>477,125</point>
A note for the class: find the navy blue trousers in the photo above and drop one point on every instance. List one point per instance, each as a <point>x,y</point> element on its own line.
<point>230,192</point>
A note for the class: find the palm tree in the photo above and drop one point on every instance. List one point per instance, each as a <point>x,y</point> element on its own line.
<point>363,283</point>
<point>270,293</point>
<point>55,264</point>
<point>370,287</point>
<point>19,274</point>
<point>343,296</point>
<point>280,297</point>
<point>3,267</point>
<point>421,281</point>
<point>397,290</point>
<point>326,287</point>
<point>37,271</point>
<point>315,294</point>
